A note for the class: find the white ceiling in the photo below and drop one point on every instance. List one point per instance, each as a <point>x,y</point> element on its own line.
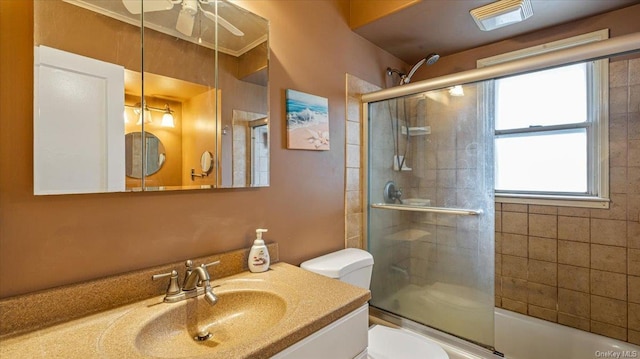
<point>446,27</point>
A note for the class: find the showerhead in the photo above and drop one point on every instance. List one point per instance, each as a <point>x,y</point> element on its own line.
<point>430,60</point>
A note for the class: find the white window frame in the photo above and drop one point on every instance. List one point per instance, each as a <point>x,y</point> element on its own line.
<point>599,113</point>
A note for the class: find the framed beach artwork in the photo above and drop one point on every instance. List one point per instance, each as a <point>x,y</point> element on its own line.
<point>307,121</point>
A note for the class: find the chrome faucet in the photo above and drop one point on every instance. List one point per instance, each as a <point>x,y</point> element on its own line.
<point>196,282</point>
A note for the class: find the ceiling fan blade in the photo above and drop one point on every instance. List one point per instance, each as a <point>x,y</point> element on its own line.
<point>185,23</point>
<point>135,6</point>
<point>224,23</point>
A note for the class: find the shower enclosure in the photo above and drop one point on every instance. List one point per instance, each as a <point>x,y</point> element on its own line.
<point>431,210</point>
<point>430,197</point>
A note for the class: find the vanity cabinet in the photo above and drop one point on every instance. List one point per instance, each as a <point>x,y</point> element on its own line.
<point>346,338</point>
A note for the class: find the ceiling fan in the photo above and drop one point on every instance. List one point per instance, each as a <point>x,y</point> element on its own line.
<point>186,19</point>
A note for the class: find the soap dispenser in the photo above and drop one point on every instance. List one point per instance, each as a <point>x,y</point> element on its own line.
<point>259,255</point>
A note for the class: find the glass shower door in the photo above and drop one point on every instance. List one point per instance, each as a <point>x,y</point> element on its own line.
<point>431,211</point>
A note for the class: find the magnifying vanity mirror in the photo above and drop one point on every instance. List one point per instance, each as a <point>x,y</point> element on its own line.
<point>94,83</point>
<point>206,162</point>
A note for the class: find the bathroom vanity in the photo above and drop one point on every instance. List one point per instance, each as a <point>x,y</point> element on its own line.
<point>286,312</point>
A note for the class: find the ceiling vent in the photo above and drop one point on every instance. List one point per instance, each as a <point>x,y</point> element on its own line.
<point>501,13</point>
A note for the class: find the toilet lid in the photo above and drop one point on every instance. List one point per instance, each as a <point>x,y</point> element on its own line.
<point>390,343</point>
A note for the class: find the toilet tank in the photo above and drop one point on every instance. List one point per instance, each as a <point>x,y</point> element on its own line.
<point>350,265</point>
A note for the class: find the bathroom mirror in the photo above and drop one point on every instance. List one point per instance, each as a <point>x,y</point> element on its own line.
<point>154,154</point>
<point>181,89</point>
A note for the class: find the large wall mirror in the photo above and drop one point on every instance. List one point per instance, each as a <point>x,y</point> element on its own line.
<point>98,90</point>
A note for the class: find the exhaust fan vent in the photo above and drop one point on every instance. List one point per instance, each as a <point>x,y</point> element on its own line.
<point>501,13</point>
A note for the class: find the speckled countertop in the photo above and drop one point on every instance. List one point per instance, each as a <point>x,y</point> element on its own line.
<point>305,303</point>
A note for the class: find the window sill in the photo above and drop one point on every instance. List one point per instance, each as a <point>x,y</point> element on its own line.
<point>560,201</point>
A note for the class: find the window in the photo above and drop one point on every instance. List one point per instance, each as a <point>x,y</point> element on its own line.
<point>551,130</point>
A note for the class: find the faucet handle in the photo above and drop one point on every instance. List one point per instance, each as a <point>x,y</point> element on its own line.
<point>210,264</point>
<point>173,287</point>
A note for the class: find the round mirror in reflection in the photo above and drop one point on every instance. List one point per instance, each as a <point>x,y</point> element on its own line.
<point>206,162</point>
<point>155,154</point>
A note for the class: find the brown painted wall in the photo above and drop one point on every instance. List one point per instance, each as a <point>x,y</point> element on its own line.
<point>48,241</point>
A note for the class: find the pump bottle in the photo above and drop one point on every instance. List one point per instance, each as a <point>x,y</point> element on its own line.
<point>259,255</point>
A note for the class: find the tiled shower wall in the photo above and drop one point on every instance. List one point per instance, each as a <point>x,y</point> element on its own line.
<point>576,266</point>
<point>354,167</point>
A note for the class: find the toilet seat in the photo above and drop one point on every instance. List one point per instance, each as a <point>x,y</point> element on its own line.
<point>390,343</point>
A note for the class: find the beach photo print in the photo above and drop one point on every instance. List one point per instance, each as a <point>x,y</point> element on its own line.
<point>307,121</point>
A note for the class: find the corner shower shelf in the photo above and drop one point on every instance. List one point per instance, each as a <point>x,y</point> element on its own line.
<point>441,210</point>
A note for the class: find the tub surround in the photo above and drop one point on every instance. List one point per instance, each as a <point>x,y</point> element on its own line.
<point>38,310</point>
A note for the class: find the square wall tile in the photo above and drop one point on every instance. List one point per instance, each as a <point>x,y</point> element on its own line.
<point>617,208</point>
<point>633,229</point>
<point>618,100</point>
<point>610,311</point>
<point>574,322</point>
<point>514,267</point>
<point>543,272</point>
<point>514,289</point>
<point>609,258</point>
<point>634,316</point>
<point>515,222</point>
<point>573,212</point>
<point>633,262</point>
<point>609,231</point>
<point>514,244</point>
<point>634,71</point>
<point>634,337</point>
<point>574,253</point>
<point>633,126</point>
<point>609,330</point>
<point>573,228</point>
<point>574,303</point>
<point>514,207</point>
<point>543,313</point>
<point>543,209</point>
<point>618,73</point>
<point>543,225</point>
<point>632,184</point>
<point>542,295</point>
<point>545,249</point>
<point>574,278</point>
<point>608,284</point>
<point>634,289</point>
<point>353,133</point>
<point>514,306</point>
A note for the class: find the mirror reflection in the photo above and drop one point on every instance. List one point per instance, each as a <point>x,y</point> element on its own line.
<point>250,149</point>
<point>154,154</point>
<point>106,90</point>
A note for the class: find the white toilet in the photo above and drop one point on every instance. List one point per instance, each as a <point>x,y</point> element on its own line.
<point>354,266</point>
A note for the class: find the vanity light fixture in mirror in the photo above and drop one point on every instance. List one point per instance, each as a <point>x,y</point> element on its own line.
<point>167,114</point>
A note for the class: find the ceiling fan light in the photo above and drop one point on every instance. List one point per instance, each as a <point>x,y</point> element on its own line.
<point>136,6</point>
<point>185,22</point>
<point>501,13</point>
